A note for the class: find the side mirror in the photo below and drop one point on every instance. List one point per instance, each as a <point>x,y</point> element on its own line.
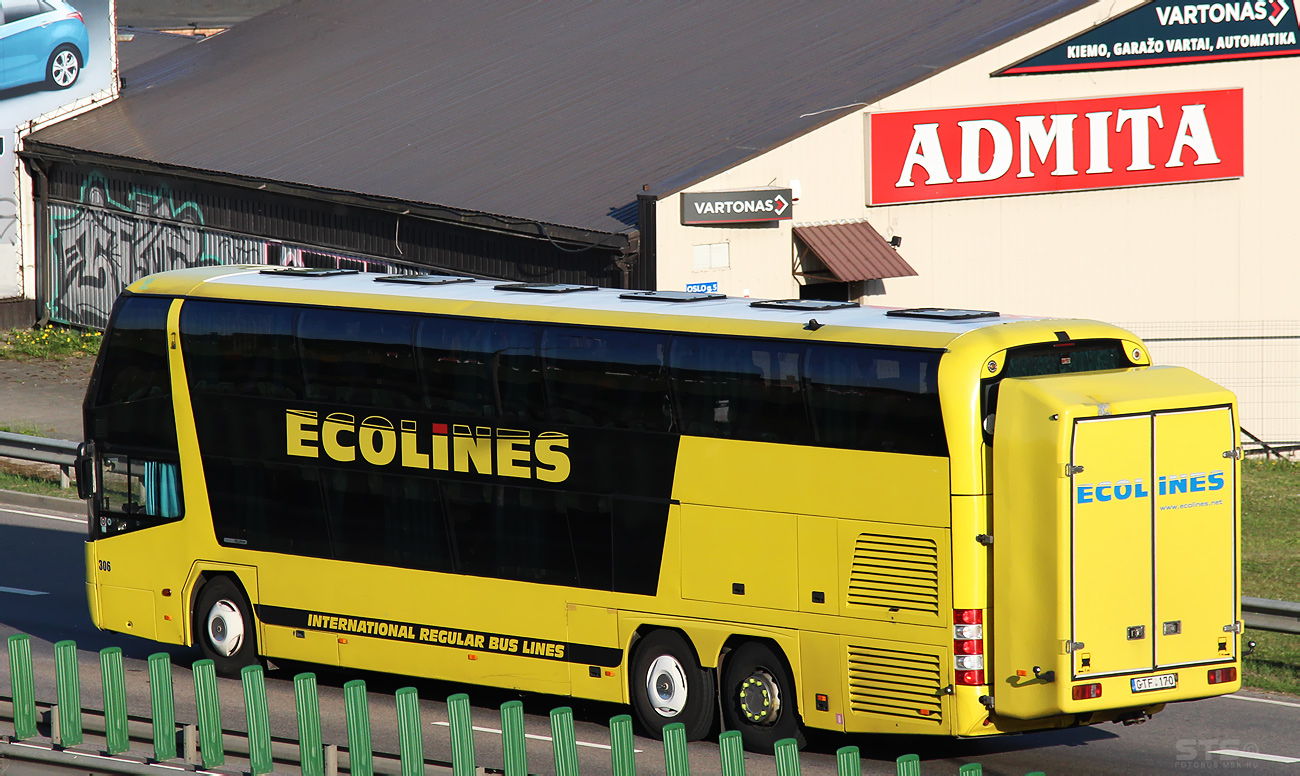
<point>85,468</point>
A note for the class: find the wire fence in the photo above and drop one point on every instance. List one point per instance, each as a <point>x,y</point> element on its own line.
<point>1257,360</point>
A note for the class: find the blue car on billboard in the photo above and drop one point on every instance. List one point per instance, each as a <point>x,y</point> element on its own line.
<point>41,41</point>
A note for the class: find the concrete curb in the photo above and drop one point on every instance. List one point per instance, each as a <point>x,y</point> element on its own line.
<point>37,501</point>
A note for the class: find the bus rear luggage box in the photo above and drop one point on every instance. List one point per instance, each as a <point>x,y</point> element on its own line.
<point>1116,540</point>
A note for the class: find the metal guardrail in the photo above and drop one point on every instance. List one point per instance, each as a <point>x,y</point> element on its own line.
<point>60,452</point>
<point>1269,615</point>
<point>1258,613</point>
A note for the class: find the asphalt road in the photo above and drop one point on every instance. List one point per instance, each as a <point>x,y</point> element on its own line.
<point>42,594</point>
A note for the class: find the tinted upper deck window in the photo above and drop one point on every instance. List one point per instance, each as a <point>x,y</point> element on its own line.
<point>240,349</point>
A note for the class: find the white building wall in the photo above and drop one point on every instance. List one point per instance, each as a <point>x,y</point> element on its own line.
<point>1219,252</point>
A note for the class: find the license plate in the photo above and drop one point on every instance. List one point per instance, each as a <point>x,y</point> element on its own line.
<point>1148,683</point>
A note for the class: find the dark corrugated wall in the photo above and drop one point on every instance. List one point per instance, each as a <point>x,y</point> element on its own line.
<point>160,223</point>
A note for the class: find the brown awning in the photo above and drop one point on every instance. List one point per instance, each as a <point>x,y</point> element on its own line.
<point>851,251</point>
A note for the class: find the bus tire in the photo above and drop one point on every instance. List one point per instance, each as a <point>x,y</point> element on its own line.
<point>668,685</point>
<point>758,697</point>
<point>224,627</point>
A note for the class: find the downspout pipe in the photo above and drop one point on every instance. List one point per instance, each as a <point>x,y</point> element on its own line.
<point>41,241</point>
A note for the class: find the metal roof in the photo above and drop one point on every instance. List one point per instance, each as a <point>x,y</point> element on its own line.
<point>853,250</point>
<point>557,112</point>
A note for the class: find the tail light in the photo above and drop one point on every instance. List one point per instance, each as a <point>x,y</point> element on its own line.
<point>968,646</point>
<point>1221,675</point>
<point>76,15</point>
<point>1082,692</point>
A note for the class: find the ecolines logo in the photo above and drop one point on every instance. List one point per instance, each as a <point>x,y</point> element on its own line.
<point>1167,485</point>
<point>503,452</point>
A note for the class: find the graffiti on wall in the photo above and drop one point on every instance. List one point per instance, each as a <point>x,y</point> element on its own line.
<point>101,244</point>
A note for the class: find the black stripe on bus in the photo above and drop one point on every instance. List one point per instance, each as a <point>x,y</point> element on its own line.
<point>434,635</point>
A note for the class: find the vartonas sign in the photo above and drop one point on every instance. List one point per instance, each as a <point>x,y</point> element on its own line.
<point>1032,148</point>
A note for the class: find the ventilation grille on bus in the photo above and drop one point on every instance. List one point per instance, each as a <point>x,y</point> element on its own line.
<point>893,683</point>
<point>895,573</point>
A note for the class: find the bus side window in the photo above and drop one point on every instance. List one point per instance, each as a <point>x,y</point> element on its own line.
<point>517,367</point>
<point>356,358</point>
<point>239,349</point>
<point>875,399</point>
<point>739,388</point>
<point>454,359</point>
<point>137,487</point>
<point>607,378</point>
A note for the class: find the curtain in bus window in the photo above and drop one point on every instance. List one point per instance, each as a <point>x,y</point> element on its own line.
<point>739,388</point>
<point>874,399</point>
<point>162,492</point>
<point>233,348</point>
<point>608,379</point>
<point>132,401</point>
<point>385,519</point>
<point>356,358</point>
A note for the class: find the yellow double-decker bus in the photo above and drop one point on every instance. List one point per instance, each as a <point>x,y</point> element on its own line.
<point>790,514</point>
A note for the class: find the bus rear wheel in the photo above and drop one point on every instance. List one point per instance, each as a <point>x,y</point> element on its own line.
<point>668,685</point>
<point>758,697</point>
<point>224,626</point>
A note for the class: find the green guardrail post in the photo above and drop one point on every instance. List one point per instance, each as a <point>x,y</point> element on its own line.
<point>908,765</point>
<point>310,753</point>
<point>564,742</point>
<point>162,705</point>
<point>676,760</point>
<point>116,738</point>
<point>514,746</point>
<point>787,757</point>
<point>848,761</point>
<point>732,750</point>
<point>69,693</point>
<point>410,735</point>
<point>360,756</point>
<point>207,706</point>
<point>462,735</point>
<point>971,769</point>
<point>622,749</point>
<point>22,685</point>
<point>259,723</point>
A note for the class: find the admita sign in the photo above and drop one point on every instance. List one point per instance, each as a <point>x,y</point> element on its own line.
<point>1072,145</point>
<point>737,207</point>
<point>1171,33</point>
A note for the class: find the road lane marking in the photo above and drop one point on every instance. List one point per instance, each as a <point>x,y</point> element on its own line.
<point>40,514</point>
<point>1264,700</point>
<point>1273,758</point>
<point>533,736</point>
<point>20,591</point>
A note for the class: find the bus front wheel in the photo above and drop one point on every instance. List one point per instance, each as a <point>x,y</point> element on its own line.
<point>224,626</point>
<point>758,697</point>
<point>668,685</point>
